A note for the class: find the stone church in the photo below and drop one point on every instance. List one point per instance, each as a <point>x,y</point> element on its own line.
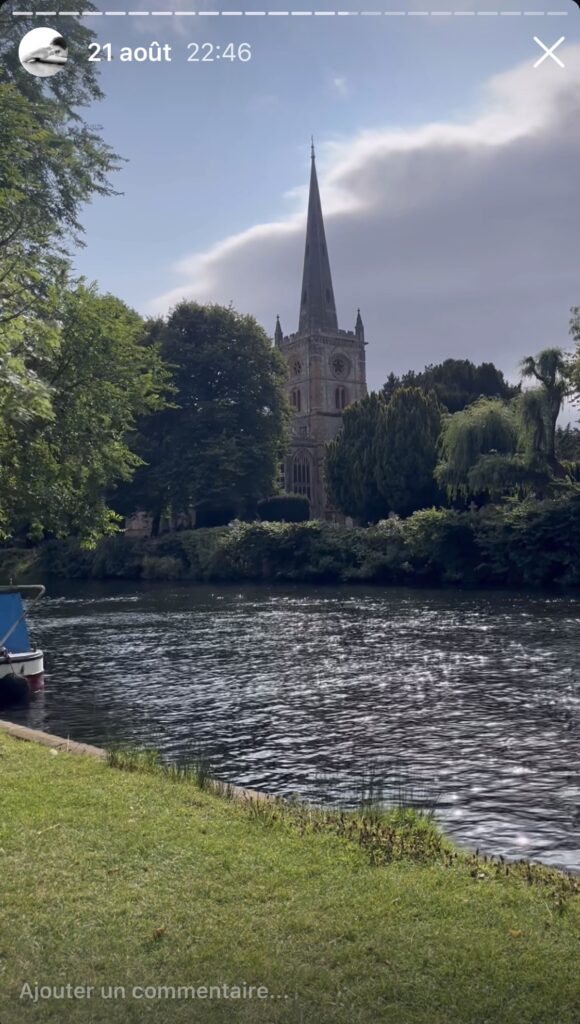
<point>326,367</point>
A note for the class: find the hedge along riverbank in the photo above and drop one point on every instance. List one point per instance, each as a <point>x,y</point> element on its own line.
<point>531,544</point>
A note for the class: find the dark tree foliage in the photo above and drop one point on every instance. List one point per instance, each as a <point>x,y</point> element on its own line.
<point>568,443</point>
<point>284,508</point>
<point>406,450</point>
<point>210,515</point>
<point>351,461</point>
<point>384,456</point>
<point>456,383</point>
<point>219,444</point>
<point>540,407</point>
<point>574,365</point>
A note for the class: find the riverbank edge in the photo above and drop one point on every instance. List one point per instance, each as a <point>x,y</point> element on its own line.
<point>68,746</point>
<point>364,828</point>
<point>22,732</point>
<point>139,861</point>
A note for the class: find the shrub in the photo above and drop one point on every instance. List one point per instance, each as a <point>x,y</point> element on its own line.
<point>288,508</point>
<point>531,543</point>
<point>441,545</point>
<point>67,558</point>
<point>200,548</point>
<point>118,557</point>
<point>166,568</point>
<point>214,515</point>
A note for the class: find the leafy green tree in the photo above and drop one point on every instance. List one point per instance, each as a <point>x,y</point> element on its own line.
<point>491,449</point>
<point>568,443</point>
<point>221,441</point>
<point>384,456</point>
<point>540,407</point>
<point>51,163</point>
<point>55,469</point>
<point>350,464</point>
<point>75,164</point>
<point>574,364</point>
<point>406,450</point>
<point>30,270</point>
<point>457,383</point>
<point>478,448</point>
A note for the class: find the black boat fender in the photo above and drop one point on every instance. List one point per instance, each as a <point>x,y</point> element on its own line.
<point>14,690</point>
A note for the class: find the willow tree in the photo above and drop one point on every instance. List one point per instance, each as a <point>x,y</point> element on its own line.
<point>540,407</point>
<point>478,449</point>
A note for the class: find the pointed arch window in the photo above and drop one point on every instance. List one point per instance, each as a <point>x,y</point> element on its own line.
<point>296,399</point>
<point>301,474</point>
<point>340,398</point>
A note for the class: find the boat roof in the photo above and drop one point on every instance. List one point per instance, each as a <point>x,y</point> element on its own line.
<point>13,629</point>
<point>11,610</point>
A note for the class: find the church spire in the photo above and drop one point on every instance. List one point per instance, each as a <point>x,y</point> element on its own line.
<point>359,329</point>
<point>317,306</point>
<point>278,336</point>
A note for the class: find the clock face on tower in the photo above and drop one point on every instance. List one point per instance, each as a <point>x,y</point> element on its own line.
<point>340,366</point>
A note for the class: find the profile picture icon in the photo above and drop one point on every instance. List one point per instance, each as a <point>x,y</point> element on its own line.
<point>43,52</point>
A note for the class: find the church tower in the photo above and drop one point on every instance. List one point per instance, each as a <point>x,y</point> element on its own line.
<point>326,367</point>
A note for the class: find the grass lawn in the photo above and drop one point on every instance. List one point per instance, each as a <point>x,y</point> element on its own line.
<point>134,880</point>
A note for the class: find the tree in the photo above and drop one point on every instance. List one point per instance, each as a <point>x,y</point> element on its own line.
<point>350,464</point>
<point>574,363</point>
<point>406,450</point>
<point>457,383</point>
<point>540,407</point>
<point>384,456</point>
<point>78,163</point>
<point>55,469</point>
<point>221,441</point>
<point>568,443</point>
<point>51,163</point>
<point>31,271</point>
<point>477,449</point>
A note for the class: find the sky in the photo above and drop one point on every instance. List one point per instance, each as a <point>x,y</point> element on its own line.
<point>448,169</point>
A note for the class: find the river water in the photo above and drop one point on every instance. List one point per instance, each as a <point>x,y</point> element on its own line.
<point>468,702</point>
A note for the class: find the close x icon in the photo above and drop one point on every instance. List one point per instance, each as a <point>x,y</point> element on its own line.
<point>549,52</point>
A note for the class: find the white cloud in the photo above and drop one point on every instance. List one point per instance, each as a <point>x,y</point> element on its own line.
<point>455,239</point>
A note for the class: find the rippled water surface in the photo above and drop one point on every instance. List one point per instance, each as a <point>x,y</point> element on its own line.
<point>471,700</point>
